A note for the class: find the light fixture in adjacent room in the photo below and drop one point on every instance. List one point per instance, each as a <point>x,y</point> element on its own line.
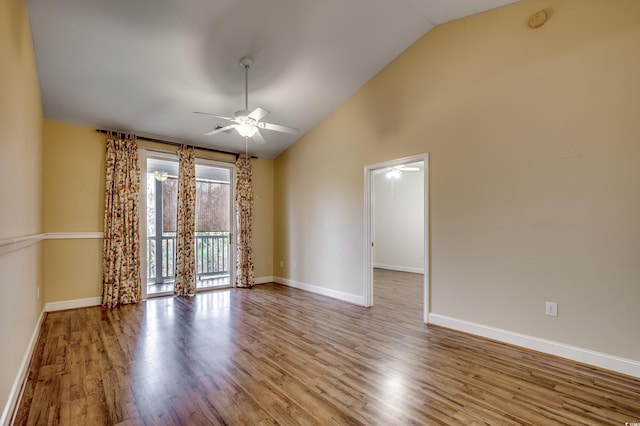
<point>394,174</point>
<point>160,176</point>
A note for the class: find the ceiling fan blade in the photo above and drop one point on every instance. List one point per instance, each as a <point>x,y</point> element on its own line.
<point>214,115</point>
<point>279,128</point>
<point>258,114</point>
<point>220,129</point>
<point>258,138</point>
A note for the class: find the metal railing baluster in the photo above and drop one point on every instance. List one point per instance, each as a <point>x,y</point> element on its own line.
<point>211,256</point>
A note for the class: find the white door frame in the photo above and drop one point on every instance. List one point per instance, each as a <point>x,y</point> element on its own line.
<point>143,155</point>
<point>142,220</point>
<point>368,239</point>
<point>232,211</point>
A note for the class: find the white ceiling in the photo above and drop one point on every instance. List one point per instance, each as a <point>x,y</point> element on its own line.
<point>145,65</point>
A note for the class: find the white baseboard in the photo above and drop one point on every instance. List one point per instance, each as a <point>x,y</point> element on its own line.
<point>72,304</point>
<point>399,268</point>
<point>574,353</point>
<point>264,280</point>
<point>334,294</point>
<point>16,389</point>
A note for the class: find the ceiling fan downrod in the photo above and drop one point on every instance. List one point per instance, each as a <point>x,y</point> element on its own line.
<point>245,63</point>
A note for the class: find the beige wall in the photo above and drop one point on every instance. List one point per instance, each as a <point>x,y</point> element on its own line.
<point>263,217</point>
<point>534,148</point>
<point>73,178</point>
<point>74,202</point>
<point>20,190</point>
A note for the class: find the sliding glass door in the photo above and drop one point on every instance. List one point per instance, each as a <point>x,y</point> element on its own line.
<point>213,242</point>
<point>162,199</point>
<point>215,260</point>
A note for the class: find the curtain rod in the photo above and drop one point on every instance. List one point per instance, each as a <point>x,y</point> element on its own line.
<point>146,138</point>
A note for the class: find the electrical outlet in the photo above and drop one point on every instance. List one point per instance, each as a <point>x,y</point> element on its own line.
<point>551,309</point>
<point>294,265</point>
<point>282,263</point>
<point>38,293</point>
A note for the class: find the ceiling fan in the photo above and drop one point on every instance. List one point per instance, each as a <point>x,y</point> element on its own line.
<point>248,123</point>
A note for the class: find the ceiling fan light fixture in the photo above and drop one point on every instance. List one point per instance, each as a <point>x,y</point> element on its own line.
<point>160,176</point>
<point>246,130</point>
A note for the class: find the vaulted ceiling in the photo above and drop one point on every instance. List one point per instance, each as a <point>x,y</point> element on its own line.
<point>145,66</point>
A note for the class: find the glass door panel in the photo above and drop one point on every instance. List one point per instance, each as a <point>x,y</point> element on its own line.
<point>215,259</point>
<point>162,201</point>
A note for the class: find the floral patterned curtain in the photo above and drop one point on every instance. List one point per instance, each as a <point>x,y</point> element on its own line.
<point>185,272</point>
<point>121,282</point>
<point>244,206</point>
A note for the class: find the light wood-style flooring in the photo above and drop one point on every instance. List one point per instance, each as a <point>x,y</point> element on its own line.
<point>276,355</point>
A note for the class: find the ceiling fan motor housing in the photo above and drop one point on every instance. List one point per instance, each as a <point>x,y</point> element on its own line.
<point>242,114</point>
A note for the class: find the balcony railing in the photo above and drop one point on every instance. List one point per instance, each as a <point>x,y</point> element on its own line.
<point>212,256</point>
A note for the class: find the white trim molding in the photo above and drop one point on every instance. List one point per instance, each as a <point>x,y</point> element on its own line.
<point>16,389</point>
<point>399,268</point>
<point>368,232</point>
<point>74,235</point>
<point>334,294</point>
<point>573,353</point>
<point>264,280</point>
<point>7,245</point>
<point>72,304</point>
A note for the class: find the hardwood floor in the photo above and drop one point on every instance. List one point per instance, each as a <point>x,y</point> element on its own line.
<point>276,355</point>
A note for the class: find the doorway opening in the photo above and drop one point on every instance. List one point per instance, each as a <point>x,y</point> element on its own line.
<point>396,222</point>
<point>215,258</point>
